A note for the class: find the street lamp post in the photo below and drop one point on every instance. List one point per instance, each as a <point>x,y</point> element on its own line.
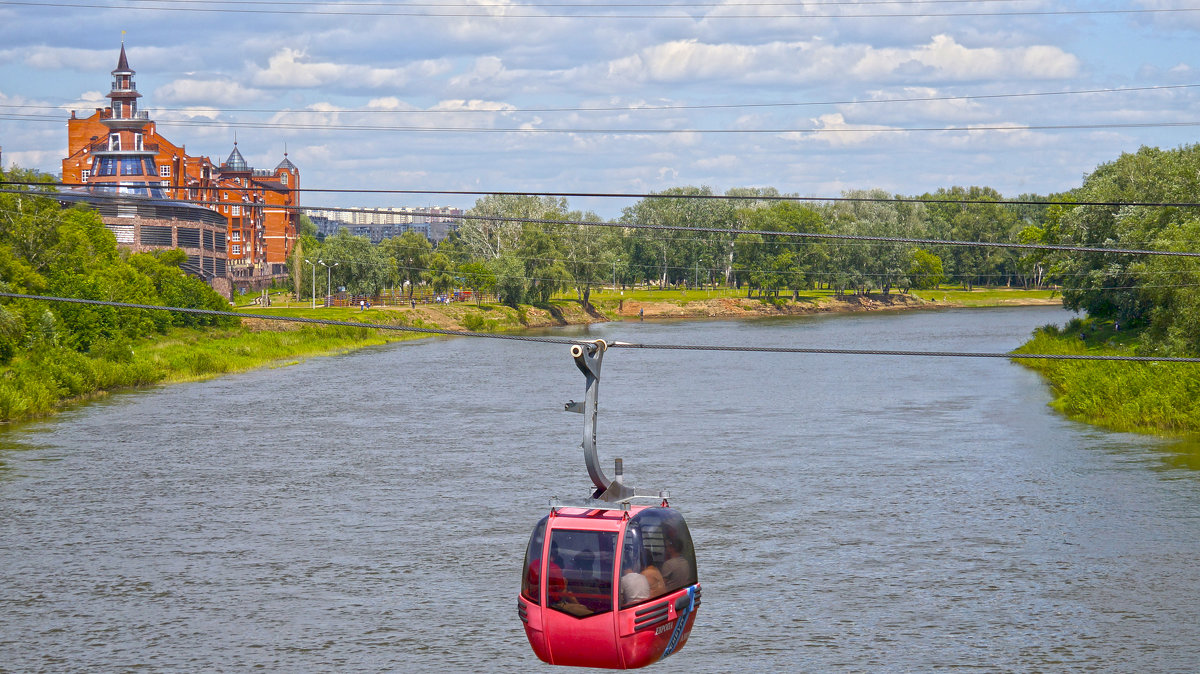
<point>314,284</point>
<point>328,278</point>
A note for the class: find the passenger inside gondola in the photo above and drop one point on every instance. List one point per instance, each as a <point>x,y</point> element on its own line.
<point>658,549</point>
<point>675,569</point>
<point>585,562</point>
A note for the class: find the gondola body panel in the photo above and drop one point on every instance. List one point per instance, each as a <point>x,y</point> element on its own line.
<point>585,605</point>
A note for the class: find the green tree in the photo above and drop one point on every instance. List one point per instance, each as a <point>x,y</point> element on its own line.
<point>440,275</point>
<point>790,261</point>
<point>410,253</point>
<point>882,264</point>
<point>670,257</point>
<point>305,227</point>
<point>540,249</point>
<point>28,221</point>
<point>1135,290</point>
<point>510,279</point>
<point>589,255</point>
<point>958,219</point>
<point>926,272</point>
<point>493,226</point>
<point>362,268</point>
<point>479,277</point>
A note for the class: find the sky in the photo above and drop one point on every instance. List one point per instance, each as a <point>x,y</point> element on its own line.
<point>620,97</point>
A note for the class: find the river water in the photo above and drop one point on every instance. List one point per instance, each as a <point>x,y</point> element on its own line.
<point>368,512</point>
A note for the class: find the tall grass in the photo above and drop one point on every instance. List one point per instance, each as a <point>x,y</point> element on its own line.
<point>45,381</point>
<point>1159,398</point>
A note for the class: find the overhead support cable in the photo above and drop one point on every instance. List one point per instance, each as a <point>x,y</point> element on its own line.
<point>797,235</point>
<point>623,195</point>
<point>834,237</point>
<point>328,126</point>
<point>635,108</point>
<point>620,344</point>
<point>209,7</point>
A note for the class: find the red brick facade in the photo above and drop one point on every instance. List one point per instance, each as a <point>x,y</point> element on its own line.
<point>117,150</point>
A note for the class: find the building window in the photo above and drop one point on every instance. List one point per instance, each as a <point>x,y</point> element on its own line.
<point>283,178</point>
<point>237,249</point>
<point>164,171</point>
<point>165,183</point>
<point>237,210</point>
<point>137,142</point>
<point>84,175</point>
<point>114,142</point>
<point>235,236</point>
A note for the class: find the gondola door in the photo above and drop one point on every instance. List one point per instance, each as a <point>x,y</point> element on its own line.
<point>577,618</point>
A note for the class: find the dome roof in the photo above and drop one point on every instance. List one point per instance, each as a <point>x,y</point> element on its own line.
<point>236,161</point>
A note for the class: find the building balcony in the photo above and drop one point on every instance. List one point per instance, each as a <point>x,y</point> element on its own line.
<point>100,148</point>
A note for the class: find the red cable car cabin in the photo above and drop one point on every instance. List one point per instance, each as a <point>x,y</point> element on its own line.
<point>585,605</point>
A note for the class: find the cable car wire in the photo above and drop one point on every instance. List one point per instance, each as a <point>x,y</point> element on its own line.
<point>327,126</point>
<point>792,234</point>
<point>626,195</point>
<point>630,108</point>
<point>208,7</point>
<point>619,344</point>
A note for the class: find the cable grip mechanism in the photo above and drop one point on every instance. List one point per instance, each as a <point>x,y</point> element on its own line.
<point>588,358</point>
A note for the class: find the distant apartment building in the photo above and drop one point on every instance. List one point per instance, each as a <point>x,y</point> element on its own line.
<point>377,224</point>
<point>129,171</point>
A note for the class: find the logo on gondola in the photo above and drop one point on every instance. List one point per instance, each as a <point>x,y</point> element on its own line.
<point>663,628</point>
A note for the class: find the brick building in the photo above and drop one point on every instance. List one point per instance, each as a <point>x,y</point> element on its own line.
<point>116,155</point>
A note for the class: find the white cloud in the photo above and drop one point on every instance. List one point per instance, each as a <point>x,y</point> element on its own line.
<point>945,59</point>
<point>56,58</point>
<point>43,57</point>
<point>835,131</point>
<point>206,92</point>
<point>289,68</point>
<point>474,104</point>
<point>389,103</point>
<point>942,59</point>
<point>486,73</point>
<point>721,162</point>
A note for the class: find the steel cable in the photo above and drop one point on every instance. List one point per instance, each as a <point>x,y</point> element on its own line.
<point>619,344</point>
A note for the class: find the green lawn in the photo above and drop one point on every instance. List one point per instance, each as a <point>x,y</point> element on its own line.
<point>989,297</point>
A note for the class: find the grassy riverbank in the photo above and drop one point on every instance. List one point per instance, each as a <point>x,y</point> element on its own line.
<point>1155,398</point>
<point>51,380</point>
<point>44,382</point>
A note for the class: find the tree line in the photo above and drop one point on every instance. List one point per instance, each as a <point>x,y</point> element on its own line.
<point>497,249</point>
<point>48,250</point>
<point>514,246</point>
<point>45,249</point>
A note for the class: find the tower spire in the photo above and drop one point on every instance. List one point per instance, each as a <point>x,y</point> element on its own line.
<point>123,61</point>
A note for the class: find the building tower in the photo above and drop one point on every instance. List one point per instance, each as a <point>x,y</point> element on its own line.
<point>123,162</point>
